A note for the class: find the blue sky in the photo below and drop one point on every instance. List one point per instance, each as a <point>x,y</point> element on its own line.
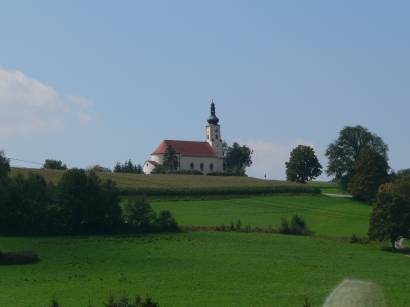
<point>95,82</point>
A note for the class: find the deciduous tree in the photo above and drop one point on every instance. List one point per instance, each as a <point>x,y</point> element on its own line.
<point>303,165</point>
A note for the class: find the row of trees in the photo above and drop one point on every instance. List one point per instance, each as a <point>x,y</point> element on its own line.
<point>126,167</point>
<point>358,161</point>
<point>81,203</point>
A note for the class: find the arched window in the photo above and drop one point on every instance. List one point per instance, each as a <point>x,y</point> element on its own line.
<point>211,167</point>
<point>201,166</point>
<point>192,165</point>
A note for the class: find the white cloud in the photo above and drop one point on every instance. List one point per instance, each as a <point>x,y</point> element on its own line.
<point>83,107</point>
<point>269,158</point>
<point>28,105</point>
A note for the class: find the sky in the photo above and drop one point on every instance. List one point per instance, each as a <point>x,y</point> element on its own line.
<point>95,82</point>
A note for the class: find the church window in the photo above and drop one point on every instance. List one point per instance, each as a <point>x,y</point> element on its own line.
<point>201,166</point>
<point>211,167</point>
<point>192,165</point>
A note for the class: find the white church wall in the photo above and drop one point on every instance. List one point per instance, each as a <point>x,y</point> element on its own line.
<point>185,164</point>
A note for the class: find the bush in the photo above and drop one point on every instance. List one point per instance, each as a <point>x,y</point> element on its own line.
<point>54,164</point>
<point>126,302</point>
<point>128,167</point>
<point>359,240</point>
<point>166,221</point>
<point>297,226</point>
<point>139,215</point>
<point>13,258</point>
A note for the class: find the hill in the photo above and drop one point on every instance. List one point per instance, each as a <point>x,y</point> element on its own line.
<point>160,184</point>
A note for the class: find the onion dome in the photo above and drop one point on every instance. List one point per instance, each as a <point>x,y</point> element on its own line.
<point>213,120</point>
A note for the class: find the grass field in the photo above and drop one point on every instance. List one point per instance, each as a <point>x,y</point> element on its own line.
<point>180,181</point>
<point>197,269</point>
<point>326,216</point>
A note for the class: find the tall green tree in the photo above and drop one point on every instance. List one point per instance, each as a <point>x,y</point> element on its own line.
<point>171,161</point>
<point>128,167</point>
<point>344,152</point>
<point>88,205</point>
<point>237,158</point>
<point>303,165</point>
<point>371,170</point>
<point>390,218</point>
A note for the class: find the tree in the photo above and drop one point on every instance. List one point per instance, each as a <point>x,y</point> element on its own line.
<point>390,218</point>
<point>303,165</point>
<point>128,167</point>
<point>4,166</point>
<point>237,159</point>
<point>139,215</point>
<point>54,164</point>
<point>171,161</point>
<point>371,170</point>
<point>344,152</point>
<point>87,204</point>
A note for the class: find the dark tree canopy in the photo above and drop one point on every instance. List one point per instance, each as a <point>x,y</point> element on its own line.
<point>88,205</point>
<point>54,164</point>
<point>344,151</point>
<point>390,218</point>
<point>237,158</point>
<point>128,167</point>
<point>303,165</point>
<point>171,161</point>
<point>4,166</point>
<point>371,170</point>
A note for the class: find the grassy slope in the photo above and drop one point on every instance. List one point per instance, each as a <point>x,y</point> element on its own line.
<point>166,181</point>
<point>163,181</point>
<point>324,215</point>
<point>197,269</point>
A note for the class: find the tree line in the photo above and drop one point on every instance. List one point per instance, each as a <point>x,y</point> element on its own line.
<point>81,203</point>
<point>358,161</point>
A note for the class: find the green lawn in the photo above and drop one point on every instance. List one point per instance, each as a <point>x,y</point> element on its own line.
<point>197,269</point>
<point>326,216</point>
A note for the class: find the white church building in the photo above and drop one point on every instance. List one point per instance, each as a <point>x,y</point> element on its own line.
<point>206,156</point>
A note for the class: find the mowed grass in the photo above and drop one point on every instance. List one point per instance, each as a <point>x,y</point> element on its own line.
<point>326,216</point>
<point>164,181</point>
<point>197,269</point>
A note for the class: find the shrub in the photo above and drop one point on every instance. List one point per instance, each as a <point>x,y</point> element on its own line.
<point>166,222</point>
<point>125,302</point>
<point>297,226</point>
<point>139,215</point>
<point>54,164</point>
<point>284,226</point>
<point>14,258</point>
<point>360,240</point>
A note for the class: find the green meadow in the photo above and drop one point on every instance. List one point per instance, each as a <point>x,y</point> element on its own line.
<point>326,216</point>
<point>197,269</point>
<point>212,268</point>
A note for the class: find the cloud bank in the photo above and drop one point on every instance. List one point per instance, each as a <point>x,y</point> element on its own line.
<point>269,158</point>
<point>28,106</point>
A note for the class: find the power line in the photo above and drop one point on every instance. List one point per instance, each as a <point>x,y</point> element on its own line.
<point>20,160</point>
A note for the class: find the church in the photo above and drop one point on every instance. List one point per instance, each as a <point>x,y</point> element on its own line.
<point>206,156</point>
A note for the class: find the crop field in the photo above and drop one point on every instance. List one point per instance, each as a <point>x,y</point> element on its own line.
<point>161,185</point>
<point>326,216</point>
<point>197,269</point>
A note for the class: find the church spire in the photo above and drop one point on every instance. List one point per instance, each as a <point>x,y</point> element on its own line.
<point>213,120</point>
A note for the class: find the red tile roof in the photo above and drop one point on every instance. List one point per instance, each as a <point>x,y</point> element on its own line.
<point>187,148</point>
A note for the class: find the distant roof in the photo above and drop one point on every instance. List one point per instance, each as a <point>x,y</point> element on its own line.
<point>153,162</point>
<point>187,148</point>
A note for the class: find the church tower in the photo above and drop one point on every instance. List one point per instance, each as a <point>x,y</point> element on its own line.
<point>213,132</point>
